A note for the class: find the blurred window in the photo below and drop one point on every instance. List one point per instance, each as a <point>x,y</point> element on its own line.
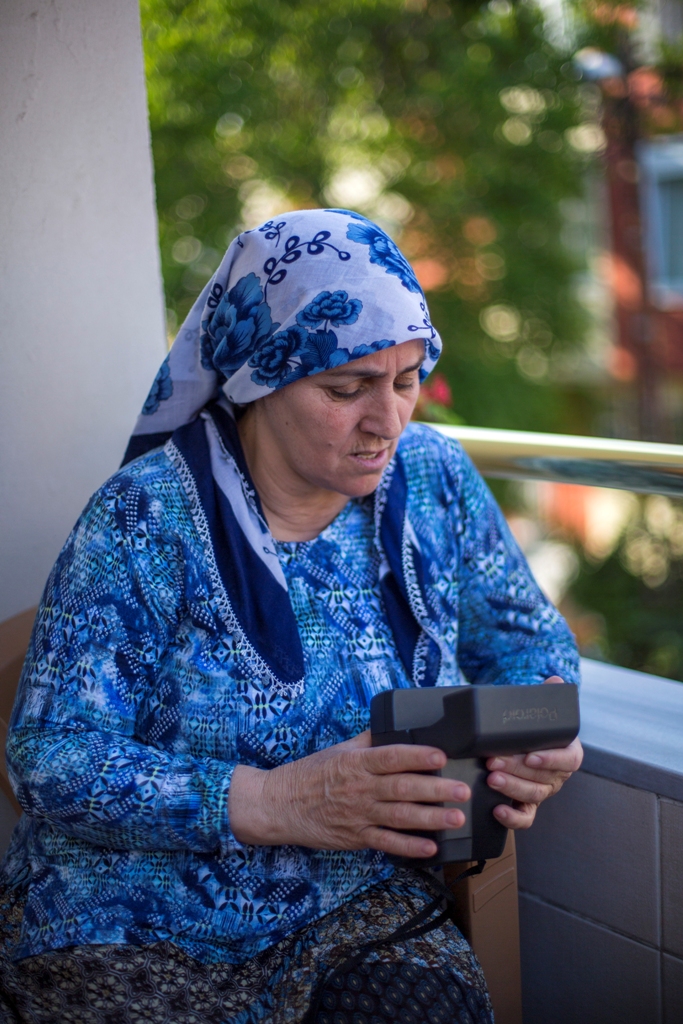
<point>661,176</point>
<point>671,198</point>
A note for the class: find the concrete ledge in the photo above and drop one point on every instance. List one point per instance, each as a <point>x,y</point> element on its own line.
<point>632,728</point>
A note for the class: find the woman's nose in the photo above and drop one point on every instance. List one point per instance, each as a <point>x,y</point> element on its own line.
<point>381,416</point>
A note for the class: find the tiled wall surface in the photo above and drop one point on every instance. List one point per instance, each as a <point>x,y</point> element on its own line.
<point>601,871</point>
<point>601,887</point>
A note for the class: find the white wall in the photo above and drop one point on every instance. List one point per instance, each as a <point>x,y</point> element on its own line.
<point>81,311</point>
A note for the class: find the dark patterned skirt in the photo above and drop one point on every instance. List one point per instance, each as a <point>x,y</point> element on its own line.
<point>432,978</point>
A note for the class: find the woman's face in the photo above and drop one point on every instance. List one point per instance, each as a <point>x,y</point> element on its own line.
<point>337,430</point>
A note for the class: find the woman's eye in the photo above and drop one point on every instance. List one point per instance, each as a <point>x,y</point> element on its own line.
<point>344,394</point>
<point>404,384</point>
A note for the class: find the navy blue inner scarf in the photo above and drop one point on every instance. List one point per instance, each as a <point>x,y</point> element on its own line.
<point>259,602</point>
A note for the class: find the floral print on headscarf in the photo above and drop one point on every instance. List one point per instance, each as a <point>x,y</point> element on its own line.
<point>308,292</point>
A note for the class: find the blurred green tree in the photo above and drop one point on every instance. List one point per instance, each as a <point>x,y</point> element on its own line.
<point>637,592</point>
<point>448,123</point>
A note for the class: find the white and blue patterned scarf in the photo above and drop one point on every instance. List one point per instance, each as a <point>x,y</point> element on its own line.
<point>314,290</point>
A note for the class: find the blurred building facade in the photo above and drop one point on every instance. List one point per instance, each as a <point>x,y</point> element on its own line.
<point>643,172</point>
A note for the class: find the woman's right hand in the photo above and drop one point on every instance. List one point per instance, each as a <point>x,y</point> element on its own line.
<point>351,796</point>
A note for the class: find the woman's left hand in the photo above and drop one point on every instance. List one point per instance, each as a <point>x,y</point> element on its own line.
<point>529,779</point>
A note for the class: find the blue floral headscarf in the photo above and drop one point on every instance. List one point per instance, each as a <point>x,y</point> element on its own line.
<point>314,290</point>
<point>305,293</point>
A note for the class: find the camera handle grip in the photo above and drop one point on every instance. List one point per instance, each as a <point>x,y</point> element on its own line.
<point>482,837</point>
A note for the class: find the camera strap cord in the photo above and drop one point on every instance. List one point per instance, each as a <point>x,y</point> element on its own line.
<point>420,923</point>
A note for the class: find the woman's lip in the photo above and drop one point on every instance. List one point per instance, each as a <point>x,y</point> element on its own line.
<point>370,459</point>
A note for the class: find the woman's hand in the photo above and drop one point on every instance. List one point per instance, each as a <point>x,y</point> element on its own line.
<point>529,779</point>
<point>349,797</point>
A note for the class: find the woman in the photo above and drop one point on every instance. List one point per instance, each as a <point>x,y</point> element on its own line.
<point>207,827</point>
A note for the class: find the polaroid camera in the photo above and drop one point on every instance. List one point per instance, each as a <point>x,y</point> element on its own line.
<point>470,724</point>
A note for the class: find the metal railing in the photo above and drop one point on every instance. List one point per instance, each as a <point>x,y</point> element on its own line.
<point>644,466</point>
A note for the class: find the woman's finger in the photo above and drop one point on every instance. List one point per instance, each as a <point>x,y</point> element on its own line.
<point>519,816</point>
<point>398,844</point>
<point>416,817</point>
<point>401,757</point>
<point>531,766</point>
<point>424,789</point>
<point>521,771</point>
<point>519,789</point>
<point>567,759</point>
<point>555,779</point>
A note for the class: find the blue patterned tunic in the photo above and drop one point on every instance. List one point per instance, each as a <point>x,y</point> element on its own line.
<point>135,705</point>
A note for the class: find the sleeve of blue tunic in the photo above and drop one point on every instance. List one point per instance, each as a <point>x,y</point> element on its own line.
<point>110,606</point>
<point>509,632</point>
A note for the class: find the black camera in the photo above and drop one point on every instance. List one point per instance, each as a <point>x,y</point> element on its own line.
<point>470,724</point>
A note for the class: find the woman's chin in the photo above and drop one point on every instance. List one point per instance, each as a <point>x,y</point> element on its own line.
<point>359,483</point>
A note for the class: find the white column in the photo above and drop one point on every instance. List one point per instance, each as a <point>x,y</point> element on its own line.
<point>81,309</point>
